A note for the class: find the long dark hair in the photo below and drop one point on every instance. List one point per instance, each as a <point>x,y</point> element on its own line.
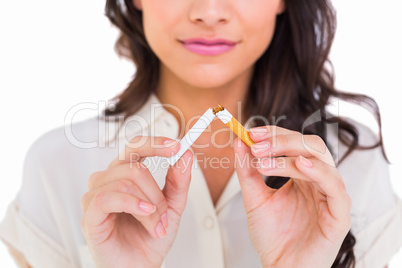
<point>293,78</point>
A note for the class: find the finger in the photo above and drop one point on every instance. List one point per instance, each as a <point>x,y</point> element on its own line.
<point>280,166</point>
<point>325,177</point>
<point>104,203</point>
<point>339,202</point>
<point>141,147</point>
<point>258,134</point>
<point>254,189</point>
<point>120,185</point>
<point>177,183</point>
<point>116,194</point>
<point>139,174</point>
<point>293,145</point>
<point>286,167</point>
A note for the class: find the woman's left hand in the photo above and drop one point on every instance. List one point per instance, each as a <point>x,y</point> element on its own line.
<point>304,223</point>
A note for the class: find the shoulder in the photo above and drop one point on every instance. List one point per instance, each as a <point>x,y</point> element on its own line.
<point>74,144</point>
<point>366,137</point>
<point>376,209</point>
<point>77,134</point>
<point>360,162</point>
<point>67,155</point>
<point>54,178</point>
<point>365,172</point>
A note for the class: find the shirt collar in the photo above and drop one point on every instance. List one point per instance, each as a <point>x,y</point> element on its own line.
<point>151,119</point>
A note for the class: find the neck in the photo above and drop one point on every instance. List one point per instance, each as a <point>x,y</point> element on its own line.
<point>193,101</point>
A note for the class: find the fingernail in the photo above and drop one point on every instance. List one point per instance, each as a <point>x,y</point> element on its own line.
<point>160,230</point>
<point>305,162</point>
<point>261,146</point>
<point>164,219</point>
<point>170,144</point>
<point>259,131</point>
<point>268,163</point>
<point>146,207</point>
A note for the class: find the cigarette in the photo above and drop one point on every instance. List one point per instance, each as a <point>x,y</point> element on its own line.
<point>192,135</point>
<point>228,119</point>
<point>201,125</point>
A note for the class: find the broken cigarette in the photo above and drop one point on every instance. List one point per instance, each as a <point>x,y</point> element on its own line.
<point>228,119</point>
<point>201,125</point>
<point>193,134</point>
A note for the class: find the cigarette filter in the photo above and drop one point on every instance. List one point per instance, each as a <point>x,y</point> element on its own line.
<point>192,135</point>
<point>233,124</point>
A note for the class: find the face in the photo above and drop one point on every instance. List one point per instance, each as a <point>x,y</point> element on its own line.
<point>246,25</point>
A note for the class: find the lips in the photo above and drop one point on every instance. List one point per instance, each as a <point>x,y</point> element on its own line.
<point>209,47</point>
<point>209,42</point>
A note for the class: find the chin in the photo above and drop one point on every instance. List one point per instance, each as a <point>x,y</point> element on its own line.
<point>207,83</point>
<point>208,80</point>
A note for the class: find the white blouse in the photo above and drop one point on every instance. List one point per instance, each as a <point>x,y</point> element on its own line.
<point>43,222</point>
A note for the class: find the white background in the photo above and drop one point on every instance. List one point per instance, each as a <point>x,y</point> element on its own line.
<point>55,54</point>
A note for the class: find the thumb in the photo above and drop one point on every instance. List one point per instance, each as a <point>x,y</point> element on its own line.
<point>255,191</point>
<point>177,182</point>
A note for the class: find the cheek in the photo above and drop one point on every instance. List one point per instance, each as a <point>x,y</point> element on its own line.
<point>259,27</point>
<point>159,25</point>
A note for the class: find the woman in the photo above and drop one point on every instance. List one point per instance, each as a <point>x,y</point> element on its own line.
<point>263,59</point>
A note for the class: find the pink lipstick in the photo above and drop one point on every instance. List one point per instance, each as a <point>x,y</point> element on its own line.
<point>209,47</point>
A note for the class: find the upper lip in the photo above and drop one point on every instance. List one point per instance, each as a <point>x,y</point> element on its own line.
<point>208,41</point>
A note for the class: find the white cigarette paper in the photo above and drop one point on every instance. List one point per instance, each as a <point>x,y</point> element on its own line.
<point>224,116</point>
<point>192,135</point>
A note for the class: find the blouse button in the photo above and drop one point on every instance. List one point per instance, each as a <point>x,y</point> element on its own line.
<point>209,223</point>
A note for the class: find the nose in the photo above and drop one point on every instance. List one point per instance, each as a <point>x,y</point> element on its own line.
<point>210,12</point>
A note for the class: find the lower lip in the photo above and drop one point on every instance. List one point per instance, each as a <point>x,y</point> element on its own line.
<point>210,50</point>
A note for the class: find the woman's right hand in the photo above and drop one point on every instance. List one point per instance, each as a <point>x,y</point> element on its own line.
<point>128,220</point>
